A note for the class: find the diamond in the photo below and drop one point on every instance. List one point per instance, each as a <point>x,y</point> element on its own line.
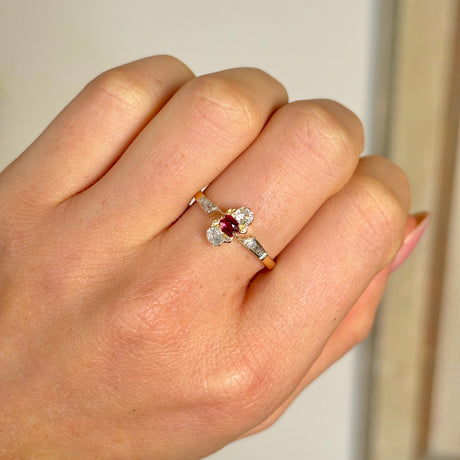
<point>208,206</point>
<point>244,216</point>
<point>254,246</point>
<point>215,236</point>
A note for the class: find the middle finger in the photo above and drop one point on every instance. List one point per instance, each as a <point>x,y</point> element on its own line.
<point>206,124</point>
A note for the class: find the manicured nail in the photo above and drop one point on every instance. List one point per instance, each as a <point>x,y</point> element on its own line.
<point>411,240</point>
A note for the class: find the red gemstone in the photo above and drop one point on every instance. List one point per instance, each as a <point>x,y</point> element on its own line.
<point>228,225</point>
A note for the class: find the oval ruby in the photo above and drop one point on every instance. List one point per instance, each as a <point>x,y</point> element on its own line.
<point>228,225</point>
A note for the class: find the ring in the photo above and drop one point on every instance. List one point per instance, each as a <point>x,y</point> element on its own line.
<point>232,223</point>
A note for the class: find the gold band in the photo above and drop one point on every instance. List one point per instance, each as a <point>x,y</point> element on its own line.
<point>269,263</point>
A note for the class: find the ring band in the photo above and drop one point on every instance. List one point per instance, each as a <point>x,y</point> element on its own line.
<point>231,224</point>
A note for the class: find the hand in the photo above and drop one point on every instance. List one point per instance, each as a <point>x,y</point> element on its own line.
<point>123,332</point>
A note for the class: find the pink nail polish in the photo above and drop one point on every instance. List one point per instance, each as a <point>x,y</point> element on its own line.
<point>411,240</point>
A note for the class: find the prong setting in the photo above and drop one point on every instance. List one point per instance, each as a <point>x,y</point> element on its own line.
<point>230,225</point>
<point>232,222</point>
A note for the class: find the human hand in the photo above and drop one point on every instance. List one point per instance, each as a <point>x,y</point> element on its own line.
<point>123,332</point>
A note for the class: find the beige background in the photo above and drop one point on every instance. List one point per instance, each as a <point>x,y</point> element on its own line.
<point>49,49</point>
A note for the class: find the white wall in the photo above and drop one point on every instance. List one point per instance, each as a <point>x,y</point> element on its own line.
<point>317,48</point>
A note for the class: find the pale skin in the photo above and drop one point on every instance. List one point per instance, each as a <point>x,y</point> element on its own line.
<point>123,332</point>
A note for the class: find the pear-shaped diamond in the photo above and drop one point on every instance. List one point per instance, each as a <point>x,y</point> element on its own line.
<point>244,216</point>
<point>215,236</point>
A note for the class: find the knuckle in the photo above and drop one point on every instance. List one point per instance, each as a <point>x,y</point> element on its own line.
<point>243,388</point>
<point>173,62</point>
<point>223,103</point>
<point>314,135</point>
<point>399,179</point>
<point>250,381</point>
<point>377,215</point>
<point>122,88</point>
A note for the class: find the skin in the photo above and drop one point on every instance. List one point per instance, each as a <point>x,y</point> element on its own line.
<point>123,332</point>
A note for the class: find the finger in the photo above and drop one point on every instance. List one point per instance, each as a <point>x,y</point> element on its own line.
<point>335,347</point>
<point>88,136</point>
<point>358,322</point>
<point>198,133</point>
<point>354,328</point>
<point>291,312</point>
<point>306,153</point>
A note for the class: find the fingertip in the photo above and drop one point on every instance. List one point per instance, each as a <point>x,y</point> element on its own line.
<point>415,228</point>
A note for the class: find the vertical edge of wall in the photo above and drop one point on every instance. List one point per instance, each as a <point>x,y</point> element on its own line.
<point>383,50</point>
<point>447,204</point>
<point>418,117</point>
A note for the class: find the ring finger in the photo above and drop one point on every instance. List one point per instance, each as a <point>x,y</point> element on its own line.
<point>306,153</point>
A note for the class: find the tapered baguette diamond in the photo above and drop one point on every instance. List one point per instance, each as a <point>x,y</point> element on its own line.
<point>208,206</point>
<point>254,246</point>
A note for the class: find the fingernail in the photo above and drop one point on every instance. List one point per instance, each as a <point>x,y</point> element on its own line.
<point>411,240</point>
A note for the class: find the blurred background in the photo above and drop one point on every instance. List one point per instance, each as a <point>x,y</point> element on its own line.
<point>396,64</point>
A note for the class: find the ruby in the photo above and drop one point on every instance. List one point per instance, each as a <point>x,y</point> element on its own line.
<point>228,225</point>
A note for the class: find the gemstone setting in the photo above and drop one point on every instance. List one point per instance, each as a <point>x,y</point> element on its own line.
<point>228,224</point>
<point>231,223</point>
<point>244,217</point>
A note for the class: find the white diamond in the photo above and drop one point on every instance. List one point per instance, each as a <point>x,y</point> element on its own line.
<point>208,206</point>
<point>215,236</point>
<point>243,216</point>
<point>253,245</point>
